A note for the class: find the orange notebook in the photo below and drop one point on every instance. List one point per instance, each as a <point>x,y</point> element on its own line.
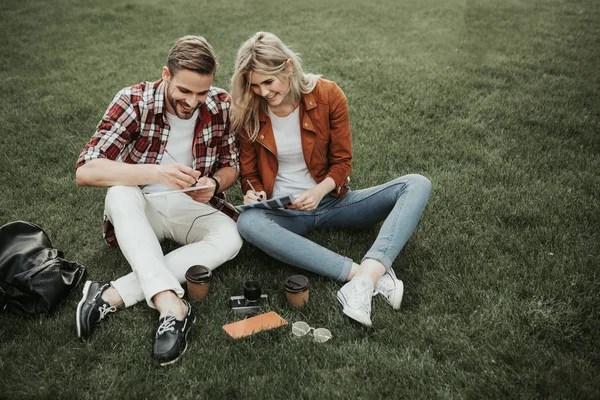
<point>248,326</point>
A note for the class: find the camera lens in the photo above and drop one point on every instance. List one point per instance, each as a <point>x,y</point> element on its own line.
<point>252,290</point>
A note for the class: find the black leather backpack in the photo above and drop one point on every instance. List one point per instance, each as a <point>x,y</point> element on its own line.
<point>34,277</point>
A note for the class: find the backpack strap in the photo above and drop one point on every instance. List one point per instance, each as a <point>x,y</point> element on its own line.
<point>2,302</point>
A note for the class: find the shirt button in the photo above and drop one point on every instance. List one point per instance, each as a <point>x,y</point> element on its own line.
<point>262,137</point>
<point>306,124</point>
<point>312,103</point>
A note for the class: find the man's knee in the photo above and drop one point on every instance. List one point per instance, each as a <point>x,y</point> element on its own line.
<point>228,241</point>
<point>235,240</point>
<point>124,199</point>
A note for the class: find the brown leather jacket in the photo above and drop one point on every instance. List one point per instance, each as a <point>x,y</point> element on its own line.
<point>326,142</point>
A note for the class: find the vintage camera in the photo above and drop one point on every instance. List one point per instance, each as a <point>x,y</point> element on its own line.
<point>252,300</point>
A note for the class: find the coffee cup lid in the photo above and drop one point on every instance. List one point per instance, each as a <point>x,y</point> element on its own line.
<point>296,283</point>
<point>198,274</point>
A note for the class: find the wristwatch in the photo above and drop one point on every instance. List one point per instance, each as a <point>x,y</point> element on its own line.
<point>217,184</point>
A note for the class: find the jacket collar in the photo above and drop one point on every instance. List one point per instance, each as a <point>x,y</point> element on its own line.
<point>308,100</point>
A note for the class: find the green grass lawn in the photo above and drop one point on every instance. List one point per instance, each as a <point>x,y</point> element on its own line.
<point>497,103</point>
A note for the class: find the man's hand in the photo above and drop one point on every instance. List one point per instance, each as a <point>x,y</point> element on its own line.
<point>176,175</point>
<point>203,195</point>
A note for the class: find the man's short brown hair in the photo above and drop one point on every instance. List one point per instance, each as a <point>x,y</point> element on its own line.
<point>193,53</point>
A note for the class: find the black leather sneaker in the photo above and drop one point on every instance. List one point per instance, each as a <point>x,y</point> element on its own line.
<point>170,342</point>
<point>92,309</point>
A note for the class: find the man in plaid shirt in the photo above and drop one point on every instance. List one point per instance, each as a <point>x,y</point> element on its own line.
<point>157,137</point>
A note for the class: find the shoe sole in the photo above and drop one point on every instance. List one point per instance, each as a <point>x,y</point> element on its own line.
<point>351,313</point>
<point>396,302</point>
<point>164,364</point>
<point>86,290</point>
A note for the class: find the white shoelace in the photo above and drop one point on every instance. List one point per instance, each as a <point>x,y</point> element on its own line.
<point>167,325</point>
<point>104,309</point>
<point>361,296</point>
<point>384,286</point>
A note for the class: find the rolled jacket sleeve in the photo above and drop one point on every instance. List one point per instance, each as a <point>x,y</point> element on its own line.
<point>249,166</point>
<point>339,153</point>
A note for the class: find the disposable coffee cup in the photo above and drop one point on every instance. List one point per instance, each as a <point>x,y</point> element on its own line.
<point>198,279</point>
<point>296,290</point>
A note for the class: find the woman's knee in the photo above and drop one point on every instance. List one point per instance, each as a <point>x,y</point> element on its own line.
<point>249,221</point>
<point>417,182</point>
<point>422,182</point>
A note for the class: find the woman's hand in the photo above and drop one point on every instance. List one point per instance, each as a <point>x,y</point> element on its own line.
<point>251,198</point>
<point>308,200</point>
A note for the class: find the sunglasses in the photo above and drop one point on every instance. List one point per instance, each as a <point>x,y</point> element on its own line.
<point>320,335</point>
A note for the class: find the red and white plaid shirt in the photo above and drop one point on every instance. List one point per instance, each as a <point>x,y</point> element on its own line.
<point>135,130</point>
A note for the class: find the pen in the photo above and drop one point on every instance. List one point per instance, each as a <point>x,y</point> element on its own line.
<point>254,190</point>
<point>169,154</point>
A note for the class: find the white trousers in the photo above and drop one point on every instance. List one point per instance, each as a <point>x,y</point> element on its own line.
<point>208,236</point>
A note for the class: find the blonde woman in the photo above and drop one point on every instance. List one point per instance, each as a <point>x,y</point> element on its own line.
<point>295,139</point>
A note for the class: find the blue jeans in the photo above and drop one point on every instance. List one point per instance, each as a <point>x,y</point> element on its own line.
<point>279,232</point>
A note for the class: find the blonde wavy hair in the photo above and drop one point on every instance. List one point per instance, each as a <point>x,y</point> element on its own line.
<point>266,54</point>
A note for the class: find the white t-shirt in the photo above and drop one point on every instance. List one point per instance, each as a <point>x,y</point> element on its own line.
<point>179,146</point>
<point>293,176</point>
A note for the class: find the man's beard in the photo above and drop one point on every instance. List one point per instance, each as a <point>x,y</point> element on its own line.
<point>181,115</point>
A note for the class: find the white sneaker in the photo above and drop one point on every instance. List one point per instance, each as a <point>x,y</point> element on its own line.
<point>391,288</point>
<point>356,297</point>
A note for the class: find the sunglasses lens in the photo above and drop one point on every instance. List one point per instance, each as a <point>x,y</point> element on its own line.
<point>300,328</point>
<point>322,335</point>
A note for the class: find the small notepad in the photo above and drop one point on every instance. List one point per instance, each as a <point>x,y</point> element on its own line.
<point>271,204</point>
<point>187,189</point>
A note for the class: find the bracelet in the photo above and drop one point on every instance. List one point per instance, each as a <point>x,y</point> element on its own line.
<point>217,184</point>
